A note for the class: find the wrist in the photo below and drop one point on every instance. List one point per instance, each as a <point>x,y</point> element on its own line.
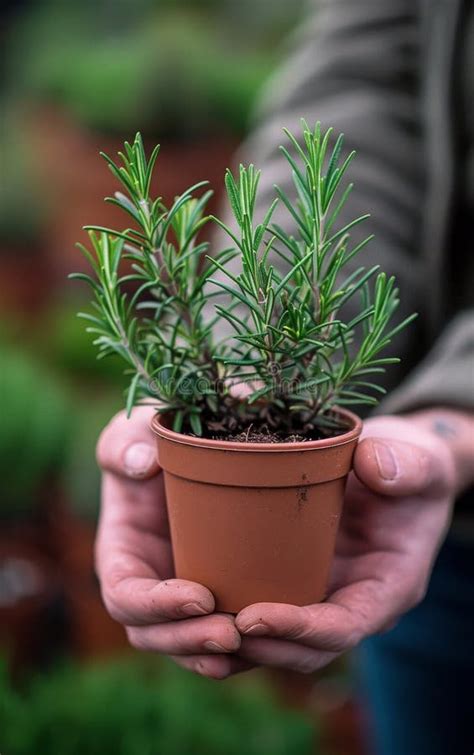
<point>455,428</point>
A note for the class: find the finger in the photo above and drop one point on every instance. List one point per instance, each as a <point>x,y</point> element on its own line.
<point>133,557</point>
<point>350,614</point>
<point>396,468</point>
<point>213,666</point>
<point>283,654</point>
<point>325,628</point>
<point>126,446</point>
<point>141,601</point>
<point>208,634</point>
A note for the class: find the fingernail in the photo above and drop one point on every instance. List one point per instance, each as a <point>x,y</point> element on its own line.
<point>193,609</point>
<point>256,629</point>
<point>386,460</point>
<point>138,459</point>
<point>214,647</point>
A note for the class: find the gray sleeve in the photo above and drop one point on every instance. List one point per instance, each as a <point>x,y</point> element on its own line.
<point>445,377</point>
<point>355,67</point>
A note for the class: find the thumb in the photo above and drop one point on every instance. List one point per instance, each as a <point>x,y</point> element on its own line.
<point>126,447</point>
<point>397,468</point>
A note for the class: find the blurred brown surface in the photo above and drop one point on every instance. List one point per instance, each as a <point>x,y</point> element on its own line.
<point>50,600</point>
<point>29,593</point>
<point>93,633</point>
<point>25,285</point>
<point>70,165</point>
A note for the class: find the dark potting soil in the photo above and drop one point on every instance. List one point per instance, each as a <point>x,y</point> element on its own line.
<point>243,430</point>
<point>263,434</point>
<point>258,436</point>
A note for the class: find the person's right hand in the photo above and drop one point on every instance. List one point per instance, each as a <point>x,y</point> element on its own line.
<point>134,564</point>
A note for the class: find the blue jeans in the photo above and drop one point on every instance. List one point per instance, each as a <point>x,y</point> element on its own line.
<point>417,681</point>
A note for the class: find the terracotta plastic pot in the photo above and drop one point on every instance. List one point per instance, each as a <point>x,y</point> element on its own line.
<point>255,521</point>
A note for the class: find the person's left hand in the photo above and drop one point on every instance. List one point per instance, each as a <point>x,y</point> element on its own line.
<point>397,510</point>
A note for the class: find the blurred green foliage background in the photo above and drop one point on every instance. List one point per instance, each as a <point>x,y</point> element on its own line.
<point>76,77</point>
<point>132,707</point>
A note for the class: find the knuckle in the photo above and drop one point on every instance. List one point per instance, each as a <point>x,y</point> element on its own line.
<point>342,633</point>
<point>416,594</point>
<point>110,428</point>
<point>112,609</point>
<point>181,644</point>
<point>118,571</point>
<point>306,664</point>
<point>200,667</point>
<point>112,595</point>
<point>112,582</point>
<point>347,641</point>
<point>303,626</point>
<point>136,639</point>
<point>342,640</point>
<point>187,663</point>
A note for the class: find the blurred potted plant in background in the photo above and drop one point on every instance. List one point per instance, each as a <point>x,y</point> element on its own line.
<point>254,485</point>
<point>173,68</point>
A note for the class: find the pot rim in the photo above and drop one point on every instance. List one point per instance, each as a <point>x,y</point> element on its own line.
<point>166,433</point>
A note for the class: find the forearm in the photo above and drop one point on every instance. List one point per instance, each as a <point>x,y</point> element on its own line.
<point>456,428</point>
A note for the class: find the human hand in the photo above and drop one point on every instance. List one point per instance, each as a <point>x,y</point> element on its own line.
<point>134,561</point>
<point>397,510</point>
<point>390,532</point>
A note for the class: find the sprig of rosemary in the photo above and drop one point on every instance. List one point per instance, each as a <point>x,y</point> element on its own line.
<point>159,329</point>
<point>291,342</point>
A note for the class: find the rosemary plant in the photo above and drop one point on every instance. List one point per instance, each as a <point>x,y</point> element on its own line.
<point>154,283</point>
